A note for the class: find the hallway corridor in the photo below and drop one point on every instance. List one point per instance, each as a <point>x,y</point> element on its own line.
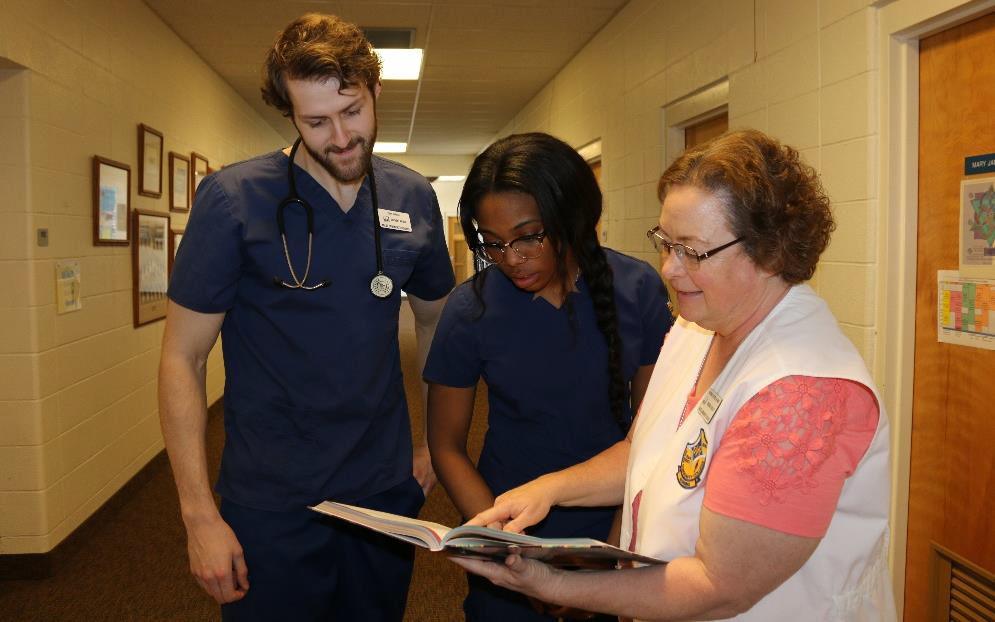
<point>129,563</point>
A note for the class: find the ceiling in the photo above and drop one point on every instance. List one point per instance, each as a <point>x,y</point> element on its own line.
<point>484,59</point>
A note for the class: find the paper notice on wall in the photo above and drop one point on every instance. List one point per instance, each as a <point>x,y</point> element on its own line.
<point>67,286</point>
<point>977,227</point>
<point>966,313</point>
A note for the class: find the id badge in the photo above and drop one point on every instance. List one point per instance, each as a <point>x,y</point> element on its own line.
<point>398,221</point>
<point>708,405</point>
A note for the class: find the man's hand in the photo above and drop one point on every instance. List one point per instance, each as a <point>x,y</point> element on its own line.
<point>216,559</point>
<point>422,469</point>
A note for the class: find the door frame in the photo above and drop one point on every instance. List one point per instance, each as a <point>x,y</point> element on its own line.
<point>900,26</point>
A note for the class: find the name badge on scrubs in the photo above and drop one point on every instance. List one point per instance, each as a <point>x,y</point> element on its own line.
<point>398,221</point>
<point>708,405</point>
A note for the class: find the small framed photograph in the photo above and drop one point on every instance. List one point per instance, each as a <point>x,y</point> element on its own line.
<point>174,245</point>
<point>200,170</point>
<point>150,265</point>
<point>111,202</point>
<point>179,182</point>
<point>149,162</point>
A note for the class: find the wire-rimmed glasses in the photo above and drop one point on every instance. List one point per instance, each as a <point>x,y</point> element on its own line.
<point>694,258</point>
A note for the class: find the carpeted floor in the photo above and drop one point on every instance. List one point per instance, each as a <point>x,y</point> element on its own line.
<point>129,562</point>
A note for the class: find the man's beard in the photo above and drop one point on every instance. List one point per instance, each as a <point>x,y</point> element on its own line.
<point>350,173</point>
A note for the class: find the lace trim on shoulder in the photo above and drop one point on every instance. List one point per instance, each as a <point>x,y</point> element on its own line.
<point>786,432</point>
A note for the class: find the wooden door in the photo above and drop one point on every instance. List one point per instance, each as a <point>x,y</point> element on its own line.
<point>952,472</point>
<point>706,130</point>
<point>602,232</point>
<point>459,251</point>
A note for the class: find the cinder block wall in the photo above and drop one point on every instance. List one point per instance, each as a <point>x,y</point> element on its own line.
<point>802,70</point>
<point>78,412</point>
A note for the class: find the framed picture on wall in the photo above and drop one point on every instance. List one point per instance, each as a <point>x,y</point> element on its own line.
<point>179,182</point>
<point>200,170</point>
<point>150,265</point>
<point>111,202</point>
<point>149,162</point>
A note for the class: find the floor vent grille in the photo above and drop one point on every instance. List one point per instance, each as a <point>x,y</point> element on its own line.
<point>960,591</point>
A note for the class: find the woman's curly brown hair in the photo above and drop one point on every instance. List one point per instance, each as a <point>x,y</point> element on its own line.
<point>318,47</point>
<point>774,201</point>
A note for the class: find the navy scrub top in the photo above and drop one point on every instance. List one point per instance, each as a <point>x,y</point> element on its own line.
<point>314,400</point>
<point>547,382</point>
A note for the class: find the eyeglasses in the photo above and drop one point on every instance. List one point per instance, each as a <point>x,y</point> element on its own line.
<point>664,246</point>
<point>526,247</point>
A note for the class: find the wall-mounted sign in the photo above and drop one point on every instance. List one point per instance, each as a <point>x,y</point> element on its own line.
<point>68,286</point>
<point>975,165</point>
<point>966,314</point>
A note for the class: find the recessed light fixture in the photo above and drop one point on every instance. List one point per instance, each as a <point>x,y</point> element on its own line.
<point>400,64</point>
<point>451,178</point>
<point>379,147</point>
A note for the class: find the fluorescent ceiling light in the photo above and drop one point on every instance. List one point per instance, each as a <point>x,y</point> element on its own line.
<point>451,178</point>
<point>400,64</point>
<point>379,147</point>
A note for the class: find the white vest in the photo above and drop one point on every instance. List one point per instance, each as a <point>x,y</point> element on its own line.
<point>846,578</point>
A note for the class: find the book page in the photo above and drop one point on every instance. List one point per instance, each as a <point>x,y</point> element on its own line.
<point>469,531</point>
<point>426,532</point>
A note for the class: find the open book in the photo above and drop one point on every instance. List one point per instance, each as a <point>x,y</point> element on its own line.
<point>484,542</point>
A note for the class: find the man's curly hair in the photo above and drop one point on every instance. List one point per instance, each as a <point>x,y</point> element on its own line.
<point>318,47</point>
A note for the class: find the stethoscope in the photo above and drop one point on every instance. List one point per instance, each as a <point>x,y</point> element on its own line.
<point>380,285</point>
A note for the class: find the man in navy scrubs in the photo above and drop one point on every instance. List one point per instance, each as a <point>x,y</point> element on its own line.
<point>314,400</point>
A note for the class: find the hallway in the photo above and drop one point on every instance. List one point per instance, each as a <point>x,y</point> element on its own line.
<point>128,562</point>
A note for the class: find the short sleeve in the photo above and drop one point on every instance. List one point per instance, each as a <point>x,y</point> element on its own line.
<point>655,315</point>
<point>209,261</point>
<point>432,277</point>
<point>786,455</point>
<point>454,359</point>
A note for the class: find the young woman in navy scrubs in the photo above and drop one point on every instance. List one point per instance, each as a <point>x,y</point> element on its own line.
<point>564,332</point>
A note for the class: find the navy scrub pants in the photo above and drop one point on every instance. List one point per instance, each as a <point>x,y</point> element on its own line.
<point>305,566</point>
<point>487,602</point>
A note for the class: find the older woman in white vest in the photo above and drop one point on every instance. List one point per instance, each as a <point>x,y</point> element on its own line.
<point>758,464</point>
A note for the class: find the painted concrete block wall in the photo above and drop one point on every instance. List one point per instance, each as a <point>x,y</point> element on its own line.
<point>801,70</point>
<point>78,411</point>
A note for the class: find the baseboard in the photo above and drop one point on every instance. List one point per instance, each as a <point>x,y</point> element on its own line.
<point>45,565</point>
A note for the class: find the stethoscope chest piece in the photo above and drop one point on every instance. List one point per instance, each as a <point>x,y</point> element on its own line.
<point>381,285</point>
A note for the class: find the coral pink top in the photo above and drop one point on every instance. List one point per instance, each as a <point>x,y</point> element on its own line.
<point>786,454</point>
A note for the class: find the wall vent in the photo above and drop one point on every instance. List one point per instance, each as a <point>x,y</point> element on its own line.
<point>960,591</point>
